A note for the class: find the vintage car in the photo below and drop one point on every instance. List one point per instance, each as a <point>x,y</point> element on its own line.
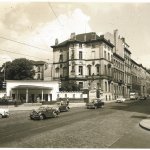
<point>63,106</point>
<point>142,98</point>
<point>4,112</point>
<point>120,99</point>
<point>43,113</point>
<point>95,103</point>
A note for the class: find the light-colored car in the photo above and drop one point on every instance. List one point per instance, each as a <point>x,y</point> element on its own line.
<point>120,99</point>
<point>4,112</point>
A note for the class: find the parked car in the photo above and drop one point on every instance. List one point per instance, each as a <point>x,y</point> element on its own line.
<point>63,106</point>
<point>43,113</point>
<point>120,99</point>
<point>95,103</point>
<point>4,112</point>
<point>142,98</point>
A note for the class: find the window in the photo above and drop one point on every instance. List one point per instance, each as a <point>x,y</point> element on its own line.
<point>106,86</point>
<point>80,55</point>
<point>61,58</point>
<point>38,76</point>
<point>105,54</point>
<point>73,69</point>
<point>80,70</point>
<point>108,56</point>
<point>105,70</point>
<point>89,70</point>
<point>57,70</point>
<point>80,45</point>
<point>97,69</point>
<point>38,68</point>
<point>81,84</point>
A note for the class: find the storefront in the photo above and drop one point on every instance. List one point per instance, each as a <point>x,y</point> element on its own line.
<point>32,90</point>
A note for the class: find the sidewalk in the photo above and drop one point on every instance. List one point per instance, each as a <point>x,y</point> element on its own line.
<point>31,107</point>
<point>145,123</point>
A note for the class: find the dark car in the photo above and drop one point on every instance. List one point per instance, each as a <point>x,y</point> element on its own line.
<point>43,113</point>
<point>142,98</point>
<point>95,103</point>
<point>63,106</point>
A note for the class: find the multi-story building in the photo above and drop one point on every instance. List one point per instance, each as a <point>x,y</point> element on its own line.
<point>99,62</point>
<point>87,60</point>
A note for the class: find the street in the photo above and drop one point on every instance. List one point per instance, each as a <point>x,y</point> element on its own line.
<point>114,126</point>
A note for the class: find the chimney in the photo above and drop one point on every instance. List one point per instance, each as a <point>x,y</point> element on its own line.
<point>123,39</point>
<point>56,41</point>
<point>73,36</point>
<point>115,38</point>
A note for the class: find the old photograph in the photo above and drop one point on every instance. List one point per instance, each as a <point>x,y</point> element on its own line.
<point>74,74</point>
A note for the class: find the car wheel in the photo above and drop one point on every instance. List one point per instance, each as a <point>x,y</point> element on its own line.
<point>55,114</point>
<point>41,117</point>
<point>67,109</point>
<point>1,116</point>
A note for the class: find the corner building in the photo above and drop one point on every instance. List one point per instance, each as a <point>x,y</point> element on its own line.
<point>86,59</point>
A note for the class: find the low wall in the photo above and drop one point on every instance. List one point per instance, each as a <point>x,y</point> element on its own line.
<point>77,95</point>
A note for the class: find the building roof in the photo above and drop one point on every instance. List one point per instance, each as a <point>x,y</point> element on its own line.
<point>127,50</point>
<point>84,38</point>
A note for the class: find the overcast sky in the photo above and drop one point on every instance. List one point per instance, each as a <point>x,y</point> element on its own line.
<point>38,24</point>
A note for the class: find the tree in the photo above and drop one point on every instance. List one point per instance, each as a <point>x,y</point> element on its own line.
<point>69,86</point>
<point>19,69</point>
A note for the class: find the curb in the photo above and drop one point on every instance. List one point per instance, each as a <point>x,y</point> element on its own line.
<point>145,124</point>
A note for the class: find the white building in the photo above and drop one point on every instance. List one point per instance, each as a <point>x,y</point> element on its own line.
<point>30,90</point>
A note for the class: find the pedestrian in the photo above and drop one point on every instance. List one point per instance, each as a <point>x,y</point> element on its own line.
<point>67,101</point>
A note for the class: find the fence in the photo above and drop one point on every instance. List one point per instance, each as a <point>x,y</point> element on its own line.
<point>72,95</point>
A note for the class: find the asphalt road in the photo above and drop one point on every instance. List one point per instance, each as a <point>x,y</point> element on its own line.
<point>114,126</point>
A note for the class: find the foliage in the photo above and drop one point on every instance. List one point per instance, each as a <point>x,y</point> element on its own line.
<point>69,86</point>
<point>19,69</point>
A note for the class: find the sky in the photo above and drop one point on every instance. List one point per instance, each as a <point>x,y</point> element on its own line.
<point>29,29</point>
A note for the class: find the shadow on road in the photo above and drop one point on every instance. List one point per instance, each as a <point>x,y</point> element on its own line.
<point>133,106</point>
<point>140,117</point>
